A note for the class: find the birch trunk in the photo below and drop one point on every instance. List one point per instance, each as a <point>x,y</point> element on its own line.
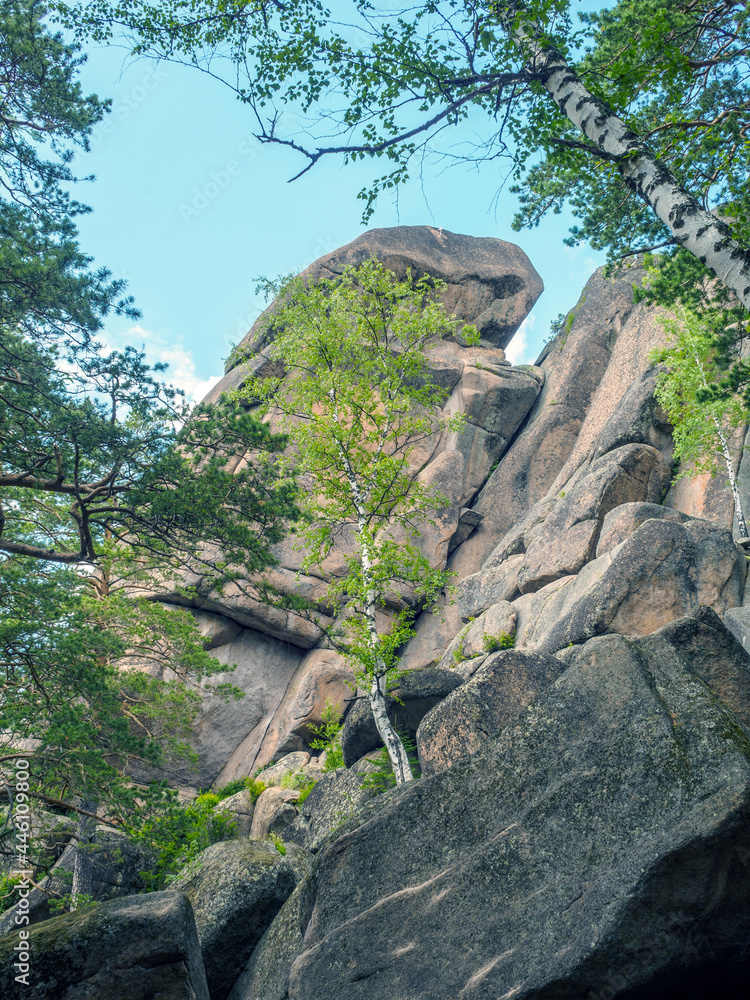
<point>391,740</point>
<point>724,447</point>
<point>692,227</point>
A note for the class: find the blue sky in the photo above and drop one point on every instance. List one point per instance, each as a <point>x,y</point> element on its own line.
<point>190,208</point>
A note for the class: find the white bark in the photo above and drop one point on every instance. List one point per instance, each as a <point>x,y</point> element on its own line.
<point>692,227</point>
<point>724,447</point>
<point>391,740</point>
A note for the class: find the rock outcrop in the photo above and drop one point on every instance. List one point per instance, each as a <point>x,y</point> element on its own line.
<point>236,888</point>
<point>597,846</point>
<point>139,947</point>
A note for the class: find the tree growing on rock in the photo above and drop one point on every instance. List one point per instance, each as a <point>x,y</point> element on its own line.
<point>640,114</point>
<point>102,482</point>
<point>356,398</point>
<point>703,417</point>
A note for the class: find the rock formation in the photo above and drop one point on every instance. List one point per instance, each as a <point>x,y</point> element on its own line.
<point>581,710</point>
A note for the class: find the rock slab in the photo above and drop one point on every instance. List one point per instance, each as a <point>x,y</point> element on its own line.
<point>140,947</point>
<point>236,888</point>
<point>597,848</point>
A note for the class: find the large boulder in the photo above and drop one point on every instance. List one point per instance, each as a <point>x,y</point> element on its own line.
<point>274,811</point>
<point>596,848</point>
<point>662,571</point>
<point>140,947</point>
<point>236,889</point>
<point>503,686</point>
<point>489,282</point>
<point>337,800</point>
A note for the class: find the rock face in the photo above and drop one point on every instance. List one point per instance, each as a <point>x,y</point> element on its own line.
<point>582,827</point>
<point>489,282</point>
<point>140,948</point>
<point>597,847</point>
<point>236,889</point>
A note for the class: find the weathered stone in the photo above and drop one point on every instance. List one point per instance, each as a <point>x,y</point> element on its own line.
<point>215,629</point>
<point>596,847</point>
<point>240,808</point>
<point>488,282</point>
<point>503,686</point>
<point>140,947</point>
<point>468,520</point>
<point>567,540</point>
<point>637,417</point>
<point>622,521</point>
<point>481,636</point>
<point>288,764</point>
<point>227,735</point>
<point>705,495</point>
<point>236,888</point>
<point>416,694</point>
<point>274,811</point>
<point>266,976</point>
<point>712,652</point>
<point>478,592</point>
<point>663,571</point>
<point>737,620</point>
<point>574,364</point>
<point>336,800</point>
<point>322,676</point>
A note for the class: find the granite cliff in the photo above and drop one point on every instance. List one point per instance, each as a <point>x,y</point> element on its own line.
<point>581,826</point>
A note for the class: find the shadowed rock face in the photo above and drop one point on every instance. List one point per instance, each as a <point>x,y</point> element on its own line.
<point>597,845</point>
<point>140,947</point>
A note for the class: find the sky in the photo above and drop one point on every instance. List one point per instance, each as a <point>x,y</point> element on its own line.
<point>191,209</point>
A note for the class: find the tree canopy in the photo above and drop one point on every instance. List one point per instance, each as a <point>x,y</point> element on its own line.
<point>637,118</point>
<point>106,476</point>
<point>356,398</point>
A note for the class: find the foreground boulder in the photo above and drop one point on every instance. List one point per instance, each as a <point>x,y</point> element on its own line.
<point>140,948</point>
<point>597,847</point>
<point>236,889</point>
<point>496,695</point>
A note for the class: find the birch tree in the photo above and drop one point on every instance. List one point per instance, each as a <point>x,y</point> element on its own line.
<point>356,399</point>
<point>636,117</point>
<point>703,419</point>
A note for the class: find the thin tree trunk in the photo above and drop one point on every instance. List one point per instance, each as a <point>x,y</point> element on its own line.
<point>83,868</point>
<point>391,740</point>
<point>739,512</point>
<point>692,227</point>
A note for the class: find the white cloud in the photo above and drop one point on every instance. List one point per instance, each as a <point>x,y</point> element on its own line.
<point>517,351</point>
<point>182,371</point>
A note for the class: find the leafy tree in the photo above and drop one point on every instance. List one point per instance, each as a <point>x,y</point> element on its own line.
<point>356,398</point>
<point>103,483</point>
<point>640,118</point>
<point>703,419</point>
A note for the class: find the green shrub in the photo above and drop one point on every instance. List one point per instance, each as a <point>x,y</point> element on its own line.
<point>503,640</point>
<point>383,778</point>
<point>328,737</point>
